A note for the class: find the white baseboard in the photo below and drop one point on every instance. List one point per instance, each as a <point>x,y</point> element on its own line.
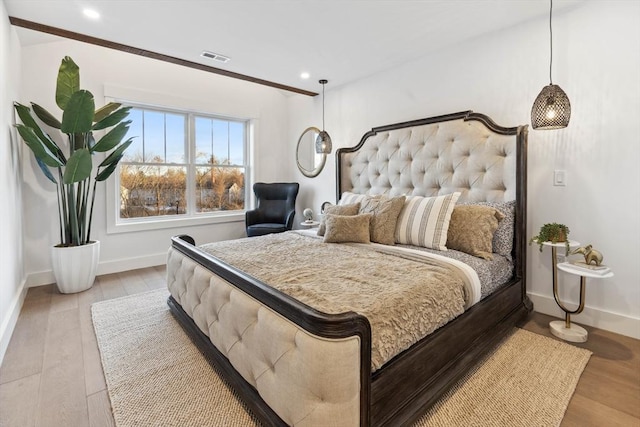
<point>116,266</point>
<point>11,318</point>
<point>127,264</point>
<point>613,322</point>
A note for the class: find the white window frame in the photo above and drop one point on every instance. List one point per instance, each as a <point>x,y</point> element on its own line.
<point>115,224</point>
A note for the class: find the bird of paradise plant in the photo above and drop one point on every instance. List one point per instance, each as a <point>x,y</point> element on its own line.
<point>72,172</point>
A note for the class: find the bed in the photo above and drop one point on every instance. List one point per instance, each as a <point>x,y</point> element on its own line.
<point>293,363</point>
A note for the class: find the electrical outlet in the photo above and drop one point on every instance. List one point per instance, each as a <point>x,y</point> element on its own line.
<point>559,178</point>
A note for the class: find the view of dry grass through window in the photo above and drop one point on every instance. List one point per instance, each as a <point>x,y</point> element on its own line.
<point>159,176</point>
<point>161,190</point>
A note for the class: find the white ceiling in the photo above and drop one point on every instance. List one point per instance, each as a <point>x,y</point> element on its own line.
<point>276,40</point>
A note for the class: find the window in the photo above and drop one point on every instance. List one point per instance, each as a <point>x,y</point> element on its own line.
<point>181,165</point>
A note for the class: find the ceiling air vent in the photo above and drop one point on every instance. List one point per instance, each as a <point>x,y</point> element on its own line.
<point>215,56</point>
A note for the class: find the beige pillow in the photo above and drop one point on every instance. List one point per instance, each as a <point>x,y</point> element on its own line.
<point>342,229</point>
<point>385,211</point>
<point>503,237</point>
<point>345,210</point>
<point>471,229</point>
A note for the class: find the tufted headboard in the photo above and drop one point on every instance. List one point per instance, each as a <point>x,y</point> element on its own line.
<point>464,152</point>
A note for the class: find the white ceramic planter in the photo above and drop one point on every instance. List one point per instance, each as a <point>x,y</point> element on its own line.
<point>75,267</point>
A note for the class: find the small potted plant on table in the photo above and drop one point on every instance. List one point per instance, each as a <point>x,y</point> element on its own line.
<point>554,233</point>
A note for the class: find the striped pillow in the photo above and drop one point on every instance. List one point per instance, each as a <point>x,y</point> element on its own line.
<point>348,198</point>
<point>424,221</point>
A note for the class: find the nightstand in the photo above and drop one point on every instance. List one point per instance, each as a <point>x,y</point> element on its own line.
<point>310,224</point>
<point>562,329</point>
<point>565,329</point>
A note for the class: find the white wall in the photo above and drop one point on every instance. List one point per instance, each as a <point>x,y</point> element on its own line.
<point>12,290</point>
<point>597,62</point>
<point>100,68</point>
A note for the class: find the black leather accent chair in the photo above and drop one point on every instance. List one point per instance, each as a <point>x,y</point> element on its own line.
<point>275,209</point>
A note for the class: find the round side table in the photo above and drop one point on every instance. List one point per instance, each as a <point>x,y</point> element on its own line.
<point>565,329</point>
<point>554,259</point>
<point>310,224</point>
<point>554,277</point>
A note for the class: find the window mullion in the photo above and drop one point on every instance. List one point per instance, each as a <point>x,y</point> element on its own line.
<point>164,137</point>
<point>144,156</point>
<point>191,156</point>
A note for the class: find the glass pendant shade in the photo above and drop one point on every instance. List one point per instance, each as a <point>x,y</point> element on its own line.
<point>323,143</point>
<point>323,140</point>
<point>551,109</point>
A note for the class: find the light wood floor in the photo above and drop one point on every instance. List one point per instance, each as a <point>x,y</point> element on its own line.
<point>52,374</point>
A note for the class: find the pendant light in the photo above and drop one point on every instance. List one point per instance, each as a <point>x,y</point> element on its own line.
<point>323,141</point>
<point>551,109</point>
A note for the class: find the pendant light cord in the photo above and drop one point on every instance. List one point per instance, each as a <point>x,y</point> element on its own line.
<point>323,106</point>
<point>550,43</point>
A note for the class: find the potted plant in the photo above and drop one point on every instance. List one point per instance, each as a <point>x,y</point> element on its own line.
<point>70,167</point>
<point>554,233</point>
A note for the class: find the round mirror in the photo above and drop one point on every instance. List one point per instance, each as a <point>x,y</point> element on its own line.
<point>309,162</point>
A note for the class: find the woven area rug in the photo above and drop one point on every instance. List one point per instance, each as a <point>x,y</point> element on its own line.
<point>156,377</point>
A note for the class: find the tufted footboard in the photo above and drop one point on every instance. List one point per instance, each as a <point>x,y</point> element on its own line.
<point>313,375</point>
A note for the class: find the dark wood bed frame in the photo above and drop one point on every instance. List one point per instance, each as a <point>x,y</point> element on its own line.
<point>401,391</point>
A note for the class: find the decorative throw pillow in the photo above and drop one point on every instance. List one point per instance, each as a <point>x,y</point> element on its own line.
<point>342,229</point>
<point>424,221</point>
<point>503,236</point>
<point>351,209</point>
<point>348,198</point>
<point>385,211</point>
<point>471,230</point>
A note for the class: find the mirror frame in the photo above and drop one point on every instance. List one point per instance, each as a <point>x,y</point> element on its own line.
<point>306,172</point>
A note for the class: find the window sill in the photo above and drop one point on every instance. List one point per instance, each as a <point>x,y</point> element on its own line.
<point>159,224</point>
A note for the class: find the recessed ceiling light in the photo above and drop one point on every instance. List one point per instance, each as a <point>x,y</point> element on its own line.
<point>91,14</point>
<point>305,75</point>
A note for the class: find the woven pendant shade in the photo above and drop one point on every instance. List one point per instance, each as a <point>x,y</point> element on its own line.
<point>551,109</point>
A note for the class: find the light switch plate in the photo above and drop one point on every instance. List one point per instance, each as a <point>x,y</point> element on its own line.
<point>559,178</point>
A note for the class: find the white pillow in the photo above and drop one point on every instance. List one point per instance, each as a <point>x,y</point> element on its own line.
<point>348,198</point>
<point>424,221</point>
